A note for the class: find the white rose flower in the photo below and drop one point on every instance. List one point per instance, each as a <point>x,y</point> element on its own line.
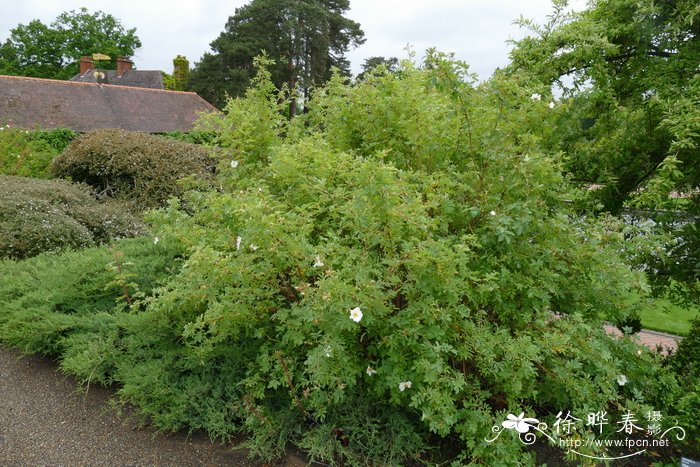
<point>356,314</point>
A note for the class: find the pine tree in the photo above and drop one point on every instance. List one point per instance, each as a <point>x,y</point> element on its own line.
<point>305,38</point>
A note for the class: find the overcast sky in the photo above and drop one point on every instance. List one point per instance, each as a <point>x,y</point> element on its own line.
<point>476,29</point>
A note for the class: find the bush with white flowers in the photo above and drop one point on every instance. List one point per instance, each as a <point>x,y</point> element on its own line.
<point>382,275</point>
<point>382,280</point>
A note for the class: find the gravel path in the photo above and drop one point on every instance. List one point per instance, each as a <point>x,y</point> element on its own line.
<point>45,419</point>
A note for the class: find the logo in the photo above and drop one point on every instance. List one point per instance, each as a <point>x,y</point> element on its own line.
<point>636,433</point>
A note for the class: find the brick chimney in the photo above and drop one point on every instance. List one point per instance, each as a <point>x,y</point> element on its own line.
<point>123,65</point>
<point>85,65</point>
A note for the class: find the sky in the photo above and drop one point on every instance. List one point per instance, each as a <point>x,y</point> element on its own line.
<point>476,30</point>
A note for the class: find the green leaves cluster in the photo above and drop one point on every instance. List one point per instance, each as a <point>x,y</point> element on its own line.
<point>629,69</point>
<point>53,51</point>
<point>426,202</point>
<point>306,39</point>
<point>379,281</point>
<point>29,153</point>
<point>139,168</point>
<point>46,215</point>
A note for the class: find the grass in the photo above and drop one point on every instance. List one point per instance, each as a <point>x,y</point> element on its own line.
<point>662,315</point>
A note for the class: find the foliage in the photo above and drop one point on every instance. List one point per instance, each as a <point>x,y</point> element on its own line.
<point>249,126</point>
<point>57,138</point>
<point>137,167</point>
<point>391,251</point>
<point>47,215</point>
<point>686,363</point>
<point>378,282</point>
<point>633,126</point>
<point>66,304</point>
<point>390,65</point>
<point>54,51</point>
<point>26,153</point>
<point>306,39</point>
<point>205,138</point>
<point>181,73</point>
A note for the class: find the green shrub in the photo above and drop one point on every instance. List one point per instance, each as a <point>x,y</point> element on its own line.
<point>71,304</point>
<point>46,215</point>
<point>28,153</point>
<point>58,138</point>
<point>425,204</point>
<point>629,324</point>
<point>206,138</point>
<point>686,363</point>
<point>376,284</point>
<point>137,167</point>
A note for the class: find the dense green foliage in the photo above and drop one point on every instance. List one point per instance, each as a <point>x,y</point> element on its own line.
<point>384,278</point>
<point>57,138</point>
<point>306,39</point>
<point>195,137</point>
<point>633,121</point>
<point>54,51</point>
<point>72,304</point>
<point>686,363</point>
<point>390,64</point>
<point>46,215</point>
<point>448,232</point>
<point>29,153</point>
<point>132,166</point>
<point>181,72</point>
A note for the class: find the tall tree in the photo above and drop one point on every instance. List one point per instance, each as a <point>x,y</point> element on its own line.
<point>633,124</point>
<point>54,51</point>
<point>305,38</point>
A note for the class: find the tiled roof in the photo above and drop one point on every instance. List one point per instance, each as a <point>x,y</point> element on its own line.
<point>43,103</point>
<point>137,78</point>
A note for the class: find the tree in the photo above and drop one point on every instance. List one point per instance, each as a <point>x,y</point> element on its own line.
<point>390,64</point>
<point>630,69</point>
<point>306,39</point>
<point>54,51</point>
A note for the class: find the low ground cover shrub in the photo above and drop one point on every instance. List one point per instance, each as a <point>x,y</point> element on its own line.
<point>45,215</point>
<point>29,153</point>
<point>73,305</point>
<point>140,168</point>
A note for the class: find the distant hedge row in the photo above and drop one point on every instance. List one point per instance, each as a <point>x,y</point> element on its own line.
<point>28,153</point>
<point>137,167</point>
<point>111,176</point>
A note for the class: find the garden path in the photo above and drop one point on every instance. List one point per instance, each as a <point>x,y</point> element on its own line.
<point>652,339</point>
<point>45,420</point>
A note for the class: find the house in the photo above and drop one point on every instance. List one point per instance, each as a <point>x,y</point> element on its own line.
<point>124,75</point>
<point>82,106</point>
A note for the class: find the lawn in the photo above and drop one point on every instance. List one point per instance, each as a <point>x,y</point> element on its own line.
<point>662,315</point>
